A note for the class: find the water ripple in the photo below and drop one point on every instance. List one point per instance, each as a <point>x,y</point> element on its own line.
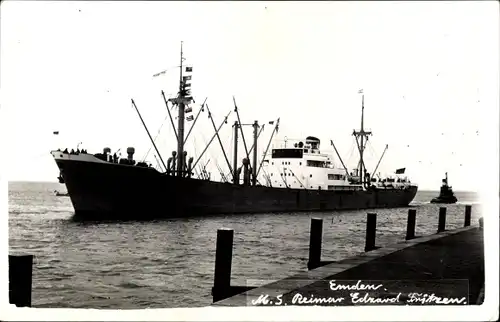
<point>170,263</point>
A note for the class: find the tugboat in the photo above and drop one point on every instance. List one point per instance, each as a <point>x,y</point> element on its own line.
<point>60,194</point>
<point>446,194</point>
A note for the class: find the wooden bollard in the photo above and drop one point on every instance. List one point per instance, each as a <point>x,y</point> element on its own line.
<point>223,258</point>
<point>371,227</point>
<point>442,219</point>
<point>410,227</point>
<point>468,209</point>
<point>315,241</point>
<point>20,280</point>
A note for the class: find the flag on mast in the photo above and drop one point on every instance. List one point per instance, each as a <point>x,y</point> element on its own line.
<point>55,132</point>
<point>160,73</point>
<point>189,69</point>
<point>360,91</point>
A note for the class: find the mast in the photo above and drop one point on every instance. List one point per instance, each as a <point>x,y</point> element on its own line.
<point>236,177</point>
<point>254,165</point>
<point>241,128</point>
<point>180,124</point>
<point>361,140</point>
<point>361,135</point>
<point>258,135</point>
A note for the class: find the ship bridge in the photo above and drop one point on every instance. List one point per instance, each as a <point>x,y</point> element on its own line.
<point>310,145</point>
<point>296,163</point>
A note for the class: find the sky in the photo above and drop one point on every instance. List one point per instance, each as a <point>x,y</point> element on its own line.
<point>429,72</point>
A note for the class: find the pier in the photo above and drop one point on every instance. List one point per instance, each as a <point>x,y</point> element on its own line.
<point>435,269</point>
<point>20,280</point>
<point>448,264</point>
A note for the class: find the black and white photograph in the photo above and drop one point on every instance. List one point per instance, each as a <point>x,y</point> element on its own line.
<point>249,160</point>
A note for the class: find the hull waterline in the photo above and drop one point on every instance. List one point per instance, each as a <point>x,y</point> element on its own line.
<point>104,191</point>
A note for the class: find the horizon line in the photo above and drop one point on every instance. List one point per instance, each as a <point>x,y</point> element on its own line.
<point>40,181</point>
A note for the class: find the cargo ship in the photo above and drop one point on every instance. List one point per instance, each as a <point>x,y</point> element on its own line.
<point>294,177</point>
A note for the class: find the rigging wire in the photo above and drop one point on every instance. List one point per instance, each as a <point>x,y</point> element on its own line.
<point>157,134</point>
<point>372,149</point>
<point>371,152</point>
<point>349,158</point>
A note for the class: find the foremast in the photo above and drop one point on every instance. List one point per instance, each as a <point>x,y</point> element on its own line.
<point>182,100</point>
<point>361,140</point>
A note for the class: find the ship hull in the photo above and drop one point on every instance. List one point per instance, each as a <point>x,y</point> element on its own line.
<point>108,191</point>
<point>444,200</point>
